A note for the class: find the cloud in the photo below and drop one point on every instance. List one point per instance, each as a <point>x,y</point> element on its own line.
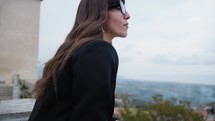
<point>180,33</point>
<point>184,60</point>
<point>195,59</point>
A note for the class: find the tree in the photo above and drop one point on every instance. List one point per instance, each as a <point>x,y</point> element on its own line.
<point>161,110</point>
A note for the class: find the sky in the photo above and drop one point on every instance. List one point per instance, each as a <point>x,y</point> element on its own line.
<point>167,40</point>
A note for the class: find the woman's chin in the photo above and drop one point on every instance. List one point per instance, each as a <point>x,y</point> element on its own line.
<point>123,35</point>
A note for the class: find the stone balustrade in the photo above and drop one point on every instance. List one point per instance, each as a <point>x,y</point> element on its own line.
<point>6,92</point>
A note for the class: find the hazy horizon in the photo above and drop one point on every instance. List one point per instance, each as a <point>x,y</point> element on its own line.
<point>120,78</point>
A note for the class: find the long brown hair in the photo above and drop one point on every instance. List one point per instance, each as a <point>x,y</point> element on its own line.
<point>91,16</point>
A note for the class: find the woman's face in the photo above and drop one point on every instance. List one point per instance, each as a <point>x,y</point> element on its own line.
<point>116,25</point>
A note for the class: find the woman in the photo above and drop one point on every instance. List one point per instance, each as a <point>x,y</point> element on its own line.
<point>78,83</point>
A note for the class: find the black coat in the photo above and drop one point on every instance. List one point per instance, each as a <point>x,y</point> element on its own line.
<point>85,87</point>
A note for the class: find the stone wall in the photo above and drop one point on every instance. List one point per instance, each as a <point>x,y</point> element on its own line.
<point>6,92</point>
<point>19,39</point>
<point>16,110</point>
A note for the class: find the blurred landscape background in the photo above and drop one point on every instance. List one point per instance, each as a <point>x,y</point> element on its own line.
<point>169,51</point>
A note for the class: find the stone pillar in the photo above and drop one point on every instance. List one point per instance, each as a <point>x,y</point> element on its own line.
<point>16,86</point>
<point>19,39</point>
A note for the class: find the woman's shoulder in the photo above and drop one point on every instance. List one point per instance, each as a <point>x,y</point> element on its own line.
<point>96,43</point>
<point>95,46</point>
<point>94,49</point>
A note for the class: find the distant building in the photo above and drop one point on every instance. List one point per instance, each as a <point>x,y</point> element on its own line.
<point>19,39</point>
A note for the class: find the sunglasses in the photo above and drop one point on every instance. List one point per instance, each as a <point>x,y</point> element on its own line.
<point>118,4</point>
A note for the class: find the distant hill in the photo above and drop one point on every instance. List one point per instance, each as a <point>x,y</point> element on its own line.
<point>198,94</point>
<point>139,91</point>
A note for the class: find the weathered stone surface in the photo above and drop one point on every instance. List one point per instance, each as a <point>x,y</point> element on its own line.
<point>6,92</point>
<point>19,38</point>
<point>16,110</point>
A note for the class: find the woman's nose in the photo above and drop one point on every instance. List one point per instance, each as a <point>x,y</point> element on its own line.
<point>127,16</point>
